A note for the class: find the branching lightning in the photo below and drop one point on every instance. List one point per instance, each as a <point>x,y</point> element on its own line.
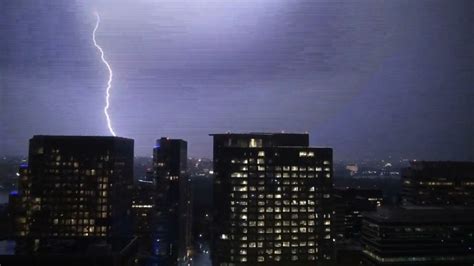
<point>109,82</point>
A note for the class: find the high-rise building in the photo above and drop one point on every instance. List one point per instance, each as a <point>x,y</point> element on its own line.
<point>438,184</point>
<point>144,213</point>
<point>272,200</point>
<point>75,187</point>
<point>144,209</point>
<point>418,236</point>
<point>435,224</point>
<point>349,204</point>
<point>173,200</point>
<point>19,205</point>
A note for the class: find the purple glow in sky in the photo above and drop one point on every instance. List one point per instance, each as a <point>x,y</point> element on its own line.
<point>369,78</point>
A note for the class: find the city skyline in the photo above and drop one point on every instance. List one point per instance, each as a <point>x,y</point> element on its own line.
<point>370,79</point>
<point>237,132</point>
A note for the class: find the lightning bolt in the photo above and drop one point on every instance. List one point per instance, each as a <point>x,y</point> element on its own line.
<point>111,74</point>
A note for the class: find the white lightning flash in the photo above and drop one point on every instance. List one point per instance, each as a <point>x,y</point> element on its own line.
<point>109,82</point>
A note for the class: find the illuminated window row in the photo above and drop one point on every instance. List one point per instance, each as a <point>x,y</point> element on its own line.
<point>294,249</point>
<point>140,206</point>
<point>73,221</point>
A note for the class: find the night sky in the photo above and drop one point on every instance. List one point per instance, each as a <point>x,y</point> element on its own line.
<point>368,78</point>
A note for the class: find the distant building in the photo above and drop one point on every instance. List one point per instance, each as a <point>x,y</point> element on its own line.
<point>419,236</point>
<point>76,252</point>
<point>6,222</point>
<point>75,187</point>
<point>352,168</point>
<point>174,204</point>
<point>272,200</point>
<point>144,209</point>
<point>349,204</point>
<point>438,184</point>
<point>19,204</point>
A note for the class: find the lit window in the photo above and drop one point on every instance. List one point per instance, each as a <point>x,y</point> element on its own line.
<point>253,143</point>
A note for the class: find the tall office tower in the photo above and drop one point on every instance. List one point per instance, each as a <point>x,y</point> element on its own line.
<point>418,236</point>
<point>76,187</point>
<point>144,209</point>
<point>272,200</point>
<point>173,200</point>
<point>438,184</point>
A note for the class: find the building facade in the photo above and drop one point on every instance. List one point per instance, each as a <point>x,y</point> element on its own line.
<point>419,236</point>
<point>144,209</point>
<point>174,206</point>
<point>272,200</point>
<point>438,184</point>
<point>75,187</point>
<point>349,204</point>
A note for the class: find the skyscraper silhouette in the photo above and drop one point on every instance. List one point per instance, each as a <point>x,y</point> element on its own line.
<point>272,200</point>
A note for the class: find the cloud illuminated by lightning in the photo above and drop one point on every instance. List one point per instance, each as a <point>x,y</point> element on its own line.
<point>109,82</point>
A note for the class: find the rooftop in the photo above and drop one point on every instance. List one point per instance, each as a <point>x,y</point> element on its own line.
<point>67,137</point>
<point>257,133</point>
